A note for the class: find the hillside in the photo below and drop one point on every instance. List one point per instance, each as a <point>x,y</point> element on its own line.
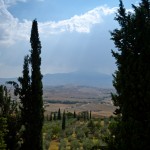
<point>79,78</point>
<point>93,79</point>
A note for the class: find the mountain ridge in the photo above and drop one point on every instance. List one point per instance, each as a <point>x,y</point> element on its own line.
<point>74,78</point>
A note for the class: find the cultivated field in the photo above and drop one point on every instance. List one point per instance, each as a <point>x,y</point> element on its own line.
<point>78,98</point>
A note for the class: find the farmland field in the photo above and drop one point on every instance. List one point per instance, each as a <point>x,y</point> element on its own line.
<point>78,98</point>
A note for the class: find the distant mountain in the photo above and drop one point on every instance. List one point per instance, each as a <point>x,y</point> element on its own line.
<point>74,78</point>
<point>79,78</point>
<point>4,80</point>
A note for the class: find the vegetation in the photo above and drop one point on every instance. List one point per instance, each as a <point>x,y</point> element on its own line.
<point>59,115</point>
<point>3,132</point>
<point>9,121</point>
<point>132,79</point>
<point>78,134</point>
<point>36,90</point>
<point>25,97</point>
<point>64,121</point>
<point>25,126</point>
<point>21,126</point>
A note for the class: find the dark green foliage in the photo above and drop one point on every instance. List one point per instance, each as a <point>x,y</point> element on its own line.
<point>69,131</point>
<point>50,118</point>
<point>132,79</point>
<point>87,144</point>
<point>69,115</point>
<point>74,115</point>
<point>64,121</point>
<point>26,105</point>
<point>30,93</point>
<point>80,134</point>
<point>5,102</point>
<point>13,136</point>
<point>54,117</point>
<point>59,115</point>
<point>90,114</point>
<point>9,112</point>
<point>75,145</point>
<point>91,126</point>
<point>85,115</point>
<point>36,90</point>
<point>3,132</point>
<point>62,145</point>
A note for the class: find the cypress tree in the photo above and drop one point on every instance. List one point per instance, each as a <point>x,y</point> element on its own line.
<point>64,121</point>
<point>132,78</point>
<point>74,115</point>
<point>50,118</point>
<point>59,115</point>
<point>54,117</point>
<point>25,97</point>
<point>36,90</point>
<point>90,114</point>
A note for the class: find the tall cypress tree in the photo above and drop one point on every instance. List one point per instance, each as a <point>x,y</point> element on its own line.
<point>64,121</point>
<point>26,109</point>
<point>132,79</point>
<point>36,89</point>
<point>74,114</point>
<point>59,115</point>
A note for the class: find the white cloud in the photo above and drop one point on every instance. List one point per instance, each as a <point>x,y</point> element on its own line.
<point>13,30</point>
<point>10,27</point>
<point>8,3</point>
<point>82,23</point>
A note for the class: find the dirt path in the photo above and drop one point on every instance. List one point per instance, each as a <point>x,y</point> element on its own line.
<point>53,145</point>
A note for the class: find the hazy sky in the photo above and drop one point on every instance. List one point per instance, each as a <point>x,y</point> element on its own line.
<point>74,34</point>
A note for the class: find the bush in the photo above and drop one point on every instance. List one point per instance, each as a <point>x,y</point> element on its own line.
<point>87,144</point>
<point>62,145</point>
<point>80,134</point>
<point>70,138</point>
<point>75,145</point>
<point>69,131</point>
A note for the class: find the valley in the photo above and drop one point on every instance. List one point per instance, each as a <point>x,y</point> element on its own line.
<point>78,98</point>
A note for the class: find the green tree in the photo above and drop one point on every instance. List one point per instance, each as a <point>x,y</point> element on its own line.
<point>64,121</point>
<point>36,90</point>
<point>74,115</point>
<point>59,115</point>
<point>90,114</point>
<point>132,78</point>
<point>87,144</point>
<point>54,117</point>
<point>3,132</point>
<point>75,145</point>
<point>26,106</point>
<point>50,118</point>
<point>5,101</point>
<point>63,144</point>
<point>10,117</point>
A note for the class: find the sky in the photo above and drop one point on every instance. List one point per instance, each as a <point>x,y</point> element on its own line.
<point>75,34</point>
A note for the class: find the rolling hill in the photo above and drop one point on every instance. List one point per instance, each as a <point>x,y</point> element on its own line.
<point>75,78</point>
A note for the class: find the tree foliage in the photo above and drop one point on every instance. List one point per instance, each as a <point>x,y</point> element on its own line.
<point>30,93</point>
<point>59,115</point>
<point>3,132</point>
<point>64,121</point>
<point>132,78</point>
<point>10,119</point>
